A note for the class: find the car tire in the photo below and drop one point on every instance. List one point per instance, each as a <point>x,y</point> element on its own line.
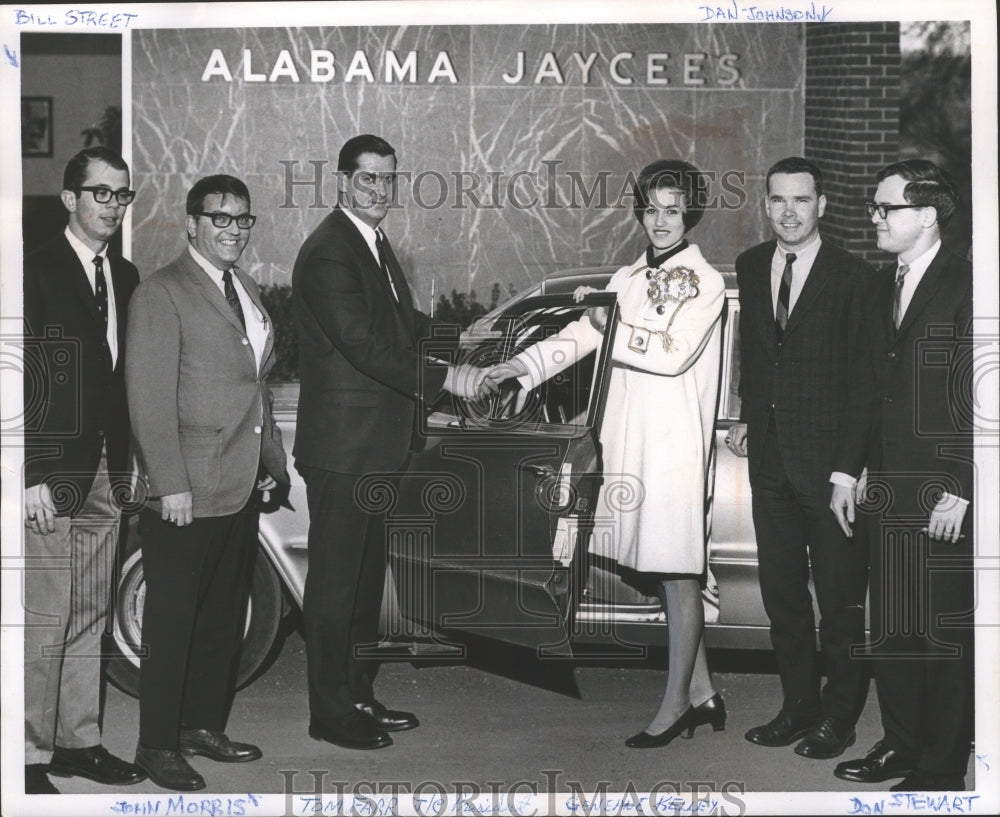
<point>260,639</point>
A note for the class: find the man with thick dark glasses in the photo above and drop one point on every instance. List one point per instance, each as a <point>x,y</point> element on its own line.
<point>920,486</point>
<point>76,437</point>
<point>200,348</point>
<point>102,195</point>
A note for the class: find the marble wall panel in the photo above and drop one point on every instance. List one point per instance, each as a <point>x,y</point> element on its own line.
<point>771,55</point>
<point>495,54</point>
<point>158,219</point>
<point>562,128</point>
<point>525,138</point>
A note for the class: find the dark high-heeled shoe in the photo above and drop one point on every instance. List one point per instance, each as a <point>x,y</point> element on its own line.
<point>712,711</point>
<point>686,722</point>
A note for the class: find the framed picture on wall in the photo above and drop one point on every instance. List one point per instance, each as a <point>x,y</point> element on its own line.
<point>36,126</point>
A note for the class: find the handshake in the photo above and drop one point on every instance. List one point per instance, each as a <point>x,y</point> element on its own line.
<point>477,383</point>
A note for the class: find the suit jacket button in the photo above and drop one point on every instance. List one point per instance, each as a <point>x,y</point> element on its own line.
<point>892,354</point>
<point>256,429</point>
<point>244,341</point>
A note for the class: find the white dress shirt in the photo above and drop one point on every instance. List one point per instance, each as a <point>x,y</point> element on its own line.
<point>257,325</point>
<point>918,266</point>
<point>804,258</point>
<point>86,256</point>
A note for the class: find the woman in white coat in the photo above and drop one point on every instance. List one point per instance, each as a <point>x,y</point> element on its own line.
<point>658,427</point>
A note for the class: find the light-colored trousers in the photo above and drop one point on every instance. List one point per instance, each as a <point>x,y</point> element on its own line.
<point>67,580</point>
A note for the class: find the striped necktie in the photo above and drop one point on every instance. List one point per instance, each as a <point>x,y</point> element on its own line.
<point>897,300</point>
<point>784,290</point>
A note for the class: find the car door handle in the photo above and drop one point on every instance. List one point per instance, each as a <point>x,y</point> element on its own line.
<point>540,471</point>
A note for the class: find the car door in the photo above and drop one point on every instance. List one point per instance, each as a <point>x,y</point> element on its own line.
<point>484,528</point>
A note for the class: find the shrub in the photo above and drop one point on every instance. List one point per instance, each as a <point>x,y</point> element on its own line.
<point>464,309</point>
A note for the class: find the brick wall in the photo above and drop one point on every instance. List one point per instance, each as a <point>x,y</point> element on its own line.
<point>852,121</point>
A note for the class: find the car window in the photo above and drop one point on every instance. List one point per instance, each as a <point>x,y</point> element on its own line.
<point>564,403</point>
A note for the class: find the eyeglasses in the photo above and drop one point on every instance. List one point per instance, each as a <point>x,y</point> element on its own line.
<point>223,220</point>
<point>102,195</point>
<point>884,209</point>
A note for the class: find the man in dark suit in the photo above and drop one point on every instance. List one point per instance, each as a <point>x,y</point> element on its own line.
<point>363,380</point>
<point>76,470</point>
<point>200,346</point>
<point>805,393</point>
<point>921,484</point>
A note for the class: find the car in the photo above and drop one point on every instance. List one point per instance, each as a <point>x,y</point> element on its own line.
<point>487,531</point>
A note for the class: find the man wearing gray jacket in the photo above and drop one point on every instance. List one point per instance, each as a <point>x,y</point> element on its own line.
<point>200,348</point>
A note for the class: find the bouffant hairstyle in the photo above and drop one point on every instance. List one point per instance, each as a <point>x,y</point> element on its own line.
<point>672,174</point>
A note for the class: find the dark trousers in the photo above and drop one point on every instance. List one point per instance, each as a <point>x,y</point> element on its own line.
<point>343,593</point>
<point>922,597</point>
<point>197,583</point>
<point>796,531</point>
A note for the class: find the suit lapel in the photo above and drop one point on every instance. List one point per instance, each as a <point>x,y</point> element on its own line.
<point>121,300</point>
<point>79,283</point>
<point>819,277</point>
<point>363,251</point>
<point>211,293</point>
<point>922,295</point>
<point>762,296</point>
<point>883,307</point>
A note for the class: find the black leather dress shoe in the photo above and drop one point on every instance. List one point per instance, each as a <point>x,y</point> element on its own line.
<point>389,720</point>
<point>880,764</point>
<point>215,745</point>
<point>828,738</point>
<point>36,779</point>
<point>352,731</point>
<point>930,781</point>
<point>95,763</point>
<point>168,768</point>
<point>786,728</point>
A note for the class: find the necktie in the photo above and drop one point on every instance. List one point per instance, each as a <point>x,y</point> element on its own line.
<point>897,301</point>
<point>101,290</point>
<point>380,242</point>
<point>784,290</point>
<point>232,297</point>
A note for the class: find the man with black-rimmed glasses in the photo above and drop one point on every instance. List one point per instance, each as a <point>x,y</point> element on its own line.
<point>76,438</point>
<point>200,346</point>
<point>920,489</point>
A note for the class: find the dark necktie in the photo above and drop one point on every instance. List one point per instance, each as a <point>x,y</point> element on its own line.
<point>380,242</point>
<point>784,290</point>
<point>101,290</point>
<point>232,297</point>
<point>897,301</point>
